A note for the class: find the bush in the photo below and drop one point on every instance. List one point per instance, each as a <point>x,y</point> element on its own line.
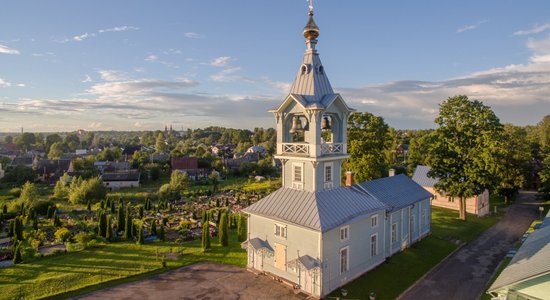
<point>83,238</point>
<point>62,234</point>
<point>15,192</point>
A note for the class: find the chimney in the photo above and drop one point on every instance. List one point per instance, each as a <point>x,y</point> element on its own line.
<point>391,172</point>
<point>349,178</point>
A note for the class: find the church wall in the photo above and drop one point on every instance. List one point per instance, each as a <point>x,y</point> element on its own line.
<point>359,247</point>
<point>298,240</point>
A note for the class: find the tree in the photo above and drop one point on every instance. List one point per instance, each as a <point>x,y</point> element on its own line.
<point>140,240</point>
<point>120,217</point>
<point>241,228</point>
<point>224,230</point>
<point>154,227</point>
<point>140,211</point>
<point>368,141</point>
<point>161,233</point>
<point>205,242</point>
<point>62,234</point>
<point>25,141</point>
<point>102,224</point>
<point>179,181</point>
<point>128,224</point>
<point>52,139</point>
<point>61,190</point>
<point>18,229</point>
<point>56,220</point>
<point>17,259</point>
<point>91,189</point>
<point>466,153</point>
<point>29,194</point>
<point>8,139</point>
<point>56,150</point>
<point>19,175</point>
<point>83,238</point>
<point>109,227</point>
<point>160,144</point>
<point>516,157</point>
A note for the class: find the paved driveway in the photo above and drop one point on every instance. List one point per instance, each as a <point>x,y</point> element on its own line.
<point>465,274</point>
<point>205,281</point>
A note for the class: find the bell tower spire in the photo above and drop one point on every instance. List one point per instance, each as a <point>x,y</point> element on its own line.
<point>311,124</point>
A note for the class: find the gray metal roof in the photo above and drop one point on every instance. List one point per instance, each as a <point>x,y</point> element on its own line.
<point>311,81</point>
<point>420,176</point>
<point>531,261</point>
<point>305,261</point>
<point>396,191</point>
<point>258,244</point>
<point>321,211</point>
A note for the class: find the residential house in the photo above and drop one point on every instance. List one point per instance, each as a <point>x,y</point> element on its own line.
<point>256,149</point>
<point>477,205</point>
<point>238,159</point>
<point>189,165</point>
<point>50,171</point>
<point>26,161</point>
<point>122,179</point>
<point>527,276</point>
<point>314,233</point>
<point>112,166</point>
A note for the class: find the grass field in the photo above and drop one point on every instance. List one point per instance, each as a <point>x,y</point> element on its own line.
<point>402,270</point>
<point>112,264</point>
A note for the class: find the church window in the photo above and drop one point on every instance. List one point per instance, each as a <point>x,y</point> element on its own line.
<point>373,245</point>
<point>344,258</point>
<point>303,69</point>
<point>374,221</point>
<point>328,172</point>
<point>280,231</point>
<point>344,233</point>
<point>298,176</point>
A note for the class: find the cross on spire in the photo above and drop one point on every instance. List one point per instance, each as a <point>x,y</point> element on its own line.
<point>310,6</point>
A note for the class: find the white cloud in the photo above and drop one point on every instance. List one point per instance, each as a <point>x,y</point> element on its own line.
<point>226,75</point>
<point>112,75</point>
<point>4,83</point>
<point>470,27</point>
<point>283,87</point>
<point>535,29</point>
<point>193,35</point>
<point>151,58</point>
<point>21,85</point>
<point>221,61</point>
<point>87,78</point>
<point>119,29</point>
<point>80,38</point>
<point>7,50</point>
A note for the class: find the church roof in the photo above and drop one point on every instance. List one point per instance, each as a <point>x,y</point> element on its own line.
<point>321,211</point>
<point>421,177</point>
<point>396,191</point>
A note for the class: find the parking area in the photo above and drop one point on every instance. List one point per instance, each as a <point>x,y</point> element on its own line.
<point>205,281</point>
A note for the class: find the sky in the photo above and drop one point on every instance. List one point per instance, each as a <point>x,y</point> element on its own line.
<point>141,65</point>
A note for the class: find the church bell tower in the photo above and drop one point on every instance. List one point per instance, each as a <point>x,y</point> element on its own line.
<point>311,124</point>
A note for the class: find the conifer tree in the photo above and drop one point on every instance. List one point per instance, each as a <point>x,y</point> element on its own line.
<point>56,221</point>
<point>140,240</point>
<point>128,224</point>
<point>154,227</point>
<point>224,228</point>
<point>241,228</point>
<point>112,206</point>
<point>140,212</point>
<point>109,228</point>
<point>205,234</point>
<point>102,228</point>
<point>17,259</point>
<point>120,217</point>
<point>89,205</point>
<point>161,233</point>
<point>5,209</point>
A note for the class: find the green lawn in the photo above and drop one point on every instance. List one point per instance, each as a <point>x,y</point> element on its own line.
<point>402,270</point>
<point>446,225</point>
<point>112,264</point>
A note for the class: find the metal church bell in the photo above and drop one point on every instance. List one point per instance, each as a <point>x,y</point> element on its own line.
<point>325,124</point>
<point>296,125</point>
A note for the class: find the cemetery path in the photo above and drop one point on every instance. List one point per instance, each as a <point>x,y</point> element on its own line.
<point>465,274</point>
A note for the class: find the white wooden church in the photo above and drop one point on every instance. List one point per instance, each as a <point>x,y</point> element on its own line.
<point>313,232</point>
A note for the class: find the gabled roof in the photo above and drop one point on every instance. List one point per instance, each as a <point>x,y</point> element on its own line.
<point>121,176</point>
<point>321,211</point>
<point>47,166</point>
<point>531,261</point>
<point>311,81</point>
<point>421,177</point>
<point>396,191</point>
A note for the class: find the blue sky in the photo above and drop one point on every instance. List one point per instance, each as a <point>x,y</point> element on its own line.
<point>138,65</point>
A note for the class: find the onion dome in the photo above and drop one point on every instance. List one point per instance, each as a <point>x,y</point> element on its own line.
<point>311,31</point>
